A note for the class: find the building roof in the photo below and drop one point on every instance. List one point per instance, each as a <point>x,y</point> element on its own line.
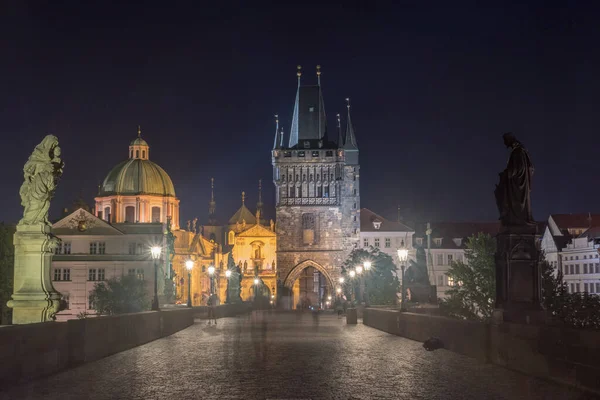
<point>309,120</point>
<point>138,141</point>
<point>242,214</point>
<point>591,233</point>
<point>137,176</point>
<point>583,220</point>
<point>449,231</point>
<point>368,218</point>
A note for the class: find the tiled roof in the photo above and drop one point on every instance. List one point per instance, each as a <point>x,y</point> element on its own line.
<point>592,233</point>
<point>448,231</point>
<point>367,217</point>
<point>565,221</point>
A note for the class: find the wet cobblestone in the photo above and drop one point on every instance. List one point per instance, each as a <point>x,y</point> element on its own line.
<point>286,356</point>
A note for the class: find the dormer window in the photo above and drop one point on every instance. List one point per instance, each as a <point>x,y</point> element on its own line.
<point>437,241</point>
<point>377,224</point>
<point>458,241</point>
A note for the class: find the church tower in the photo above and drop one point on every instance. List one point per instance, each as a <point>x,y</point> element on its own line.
<point>317,200</point>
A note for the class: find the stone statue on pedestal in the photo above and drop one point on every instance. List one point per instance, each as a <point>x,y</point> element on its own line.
<point>518,276</point>
<point>34,298</point>
<point>513,191</point>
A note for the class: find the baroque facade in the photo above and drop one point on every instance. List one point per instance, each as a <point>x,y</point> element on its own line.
<point>317,200</point>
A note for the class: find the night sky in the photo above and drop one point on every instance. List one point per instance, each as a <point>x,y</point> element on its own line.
<point>433,88</point>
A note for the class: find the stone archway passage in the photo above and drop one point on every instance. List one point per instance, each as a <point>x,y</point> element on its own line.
<point>309,285</point>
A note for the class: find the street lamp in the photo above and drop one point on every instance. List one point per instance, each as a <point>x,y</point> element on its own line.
<point>189,264</point>
<point>402,257</point>
<point>155,251</point>
<point>211,272</point>
<point>352,273</point>
<point>365,293</point>
<point>227,275</point>
<point>367,265</point>
<point>358,269</point>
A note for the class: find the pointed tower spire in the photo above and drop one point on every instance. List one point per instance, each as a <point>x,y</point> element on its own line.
<point>350,141</point>
<point>281,142</point>
<point>340,141</point>
<point>294,130</point>
<point>276,142</point>
<point>212,205</point>
<point>259,203</point>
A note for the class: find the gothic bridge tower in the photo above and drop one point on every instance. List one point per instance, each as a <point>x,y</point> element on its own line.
<point>317,200</point>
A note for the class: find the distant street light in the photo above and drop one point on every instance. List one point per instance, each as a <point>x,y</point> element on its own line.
<point>227,275</point>
<point>155,251</point>
<point>367,265</point>
<point>352,273</point>
<point>211,273</point>
<point>358,269</point>
<point>189,264</point>
<point>341,280</point>
<point>402,258</point>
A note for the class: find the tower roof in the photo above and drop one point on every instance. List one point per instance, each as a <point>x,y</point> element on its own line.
<point>350,141</point>
<point>242,214</point>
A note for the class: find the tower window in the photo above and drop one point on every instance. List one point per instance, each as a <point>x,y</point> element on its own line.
<point>311,109</point>
<point>308,228</point>
<point>300,154</point>
<point>143,153</point>
<point>306,145</point>
<point>155,214</point>
<point>315,153</point>
<point>137,154</point>
<point>130,214</point>
<point>287,154</point>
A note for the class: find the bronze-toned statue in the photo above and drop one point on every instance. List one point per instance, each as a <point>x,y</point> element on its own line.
<point>42,172</point>
<point>513,191</point>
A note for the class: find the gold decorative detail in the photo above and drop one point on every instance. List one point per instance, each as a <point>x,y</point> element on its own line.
<point>299,73</point>
<point>139,131</point>
<point>243,197</point>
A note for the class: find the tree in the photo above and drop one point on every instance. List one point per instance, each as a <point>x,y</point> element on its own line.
<point>472,295</point>
<point>381,281</point>
<point>126,294</point>
<point>7,262</point>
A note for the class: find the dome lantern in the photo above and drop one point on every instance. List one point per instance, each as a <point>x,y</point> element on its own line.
<point>138,148</point>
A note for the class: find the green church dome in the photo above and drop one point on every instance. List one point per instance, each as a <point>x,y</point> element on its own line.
<point>137,176</point>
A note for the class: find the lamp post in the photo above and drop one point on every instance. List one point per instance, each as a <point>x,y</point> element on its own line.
<point>402,257</point>
<point>359,270</point>
<point>367,266</point>
<point>227,275</point>
<point>189,264</point>
<point>256,282</point>
<point>211,274</point>
<point>352,274</point>
<point>155,251</point>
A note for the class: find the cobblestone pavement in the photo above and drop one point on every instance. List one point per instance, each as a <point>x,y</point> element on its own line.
<point>285,356</point>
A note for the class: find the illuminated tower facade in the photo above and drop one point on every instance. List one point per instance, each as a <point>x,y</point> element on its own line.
<point>317,200</point>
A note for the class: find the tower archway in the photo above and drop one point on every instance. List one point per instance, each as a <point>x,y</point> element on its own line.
<point>310,285</point>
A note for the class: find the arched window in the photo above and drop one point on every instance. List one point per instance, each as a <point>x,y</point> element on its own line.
<point>107,214</point>
<point>131,154</point>
<point>137,154</point>
<point>155,214</point>
<point>231,238</point>
<point>143,153</point>
<point>130,214</point>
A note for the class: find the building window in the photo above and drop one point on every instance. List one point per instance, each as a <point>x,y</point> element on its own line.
<point>231,238</point>
<point>309,225</point>
<point>577,287</point>
<point>597,287</point>
<point>301,154</point>
<point>140,274</point>
<point>329,153</point>
<point>450,260</point>
<point>577,269</point>
<point>65,299</point>
<point>441,280</point>
<point>101,274</point>
<point>93,247</point>
<point>440,259</point>
<point>97,247</point>
<point>437,241</point>
<point>130,214</point>
<point>586,288</point>
<point>365,242</point>
<point>143,153</point>
<point>585,257</point>
<point>577,257</point>
<point>571,269</point>
<point>137,154</point>
<point>388,243</point>
<point>354,191</point>
<point>566,270</point>
<point>376,242</point>
<point>155,214</point>
<point>585,269</point>
<point>90,303</point>
<point>326,193</point>
<point>101,247</point>
<point>450,281</point>
<point>315,153</point>
<point>354,206</point>
<point>107,213</point>
<point>572,288</point>
<point>66,274</point>
<point>459,258</point>
<point>598,268</point>
<point>132,247</point>
<point>57,275</point>
<point>92,274</point>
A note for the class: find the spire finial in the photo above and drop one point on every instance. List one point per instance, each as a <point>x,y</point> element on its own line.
<point>212,189</point>
<point>319,75</point>
<point>299,73</point>
<point>276,143</point>
<point>260,190</point>
<point>339,128</point>
<point>348,103</point>
<point>281,143</point>
<point>139,131</point>
<point>243,197</point>
<point>350,140</point>
<point>212,205</point>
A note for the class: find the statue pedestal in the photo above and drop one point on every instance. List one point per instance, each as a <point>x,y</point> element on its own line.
<point>518,277</point>
<point>34,298</point>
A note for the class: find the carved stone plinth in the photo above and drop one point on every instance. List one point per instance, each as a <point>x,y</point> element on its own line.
<point>518,277</point>
<point>34,298</point>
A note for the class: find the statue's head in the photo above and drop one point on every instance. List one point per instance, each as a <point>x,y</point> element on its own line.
<point>509,139</point>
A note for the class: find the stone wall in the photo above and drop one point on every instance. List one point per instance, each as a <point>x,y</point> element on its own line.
<point>33,350</point>
<point>561,354</point>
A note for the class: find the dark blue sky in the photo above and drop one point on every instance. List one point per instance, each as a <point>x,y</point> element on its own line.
<point>433,88</point>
